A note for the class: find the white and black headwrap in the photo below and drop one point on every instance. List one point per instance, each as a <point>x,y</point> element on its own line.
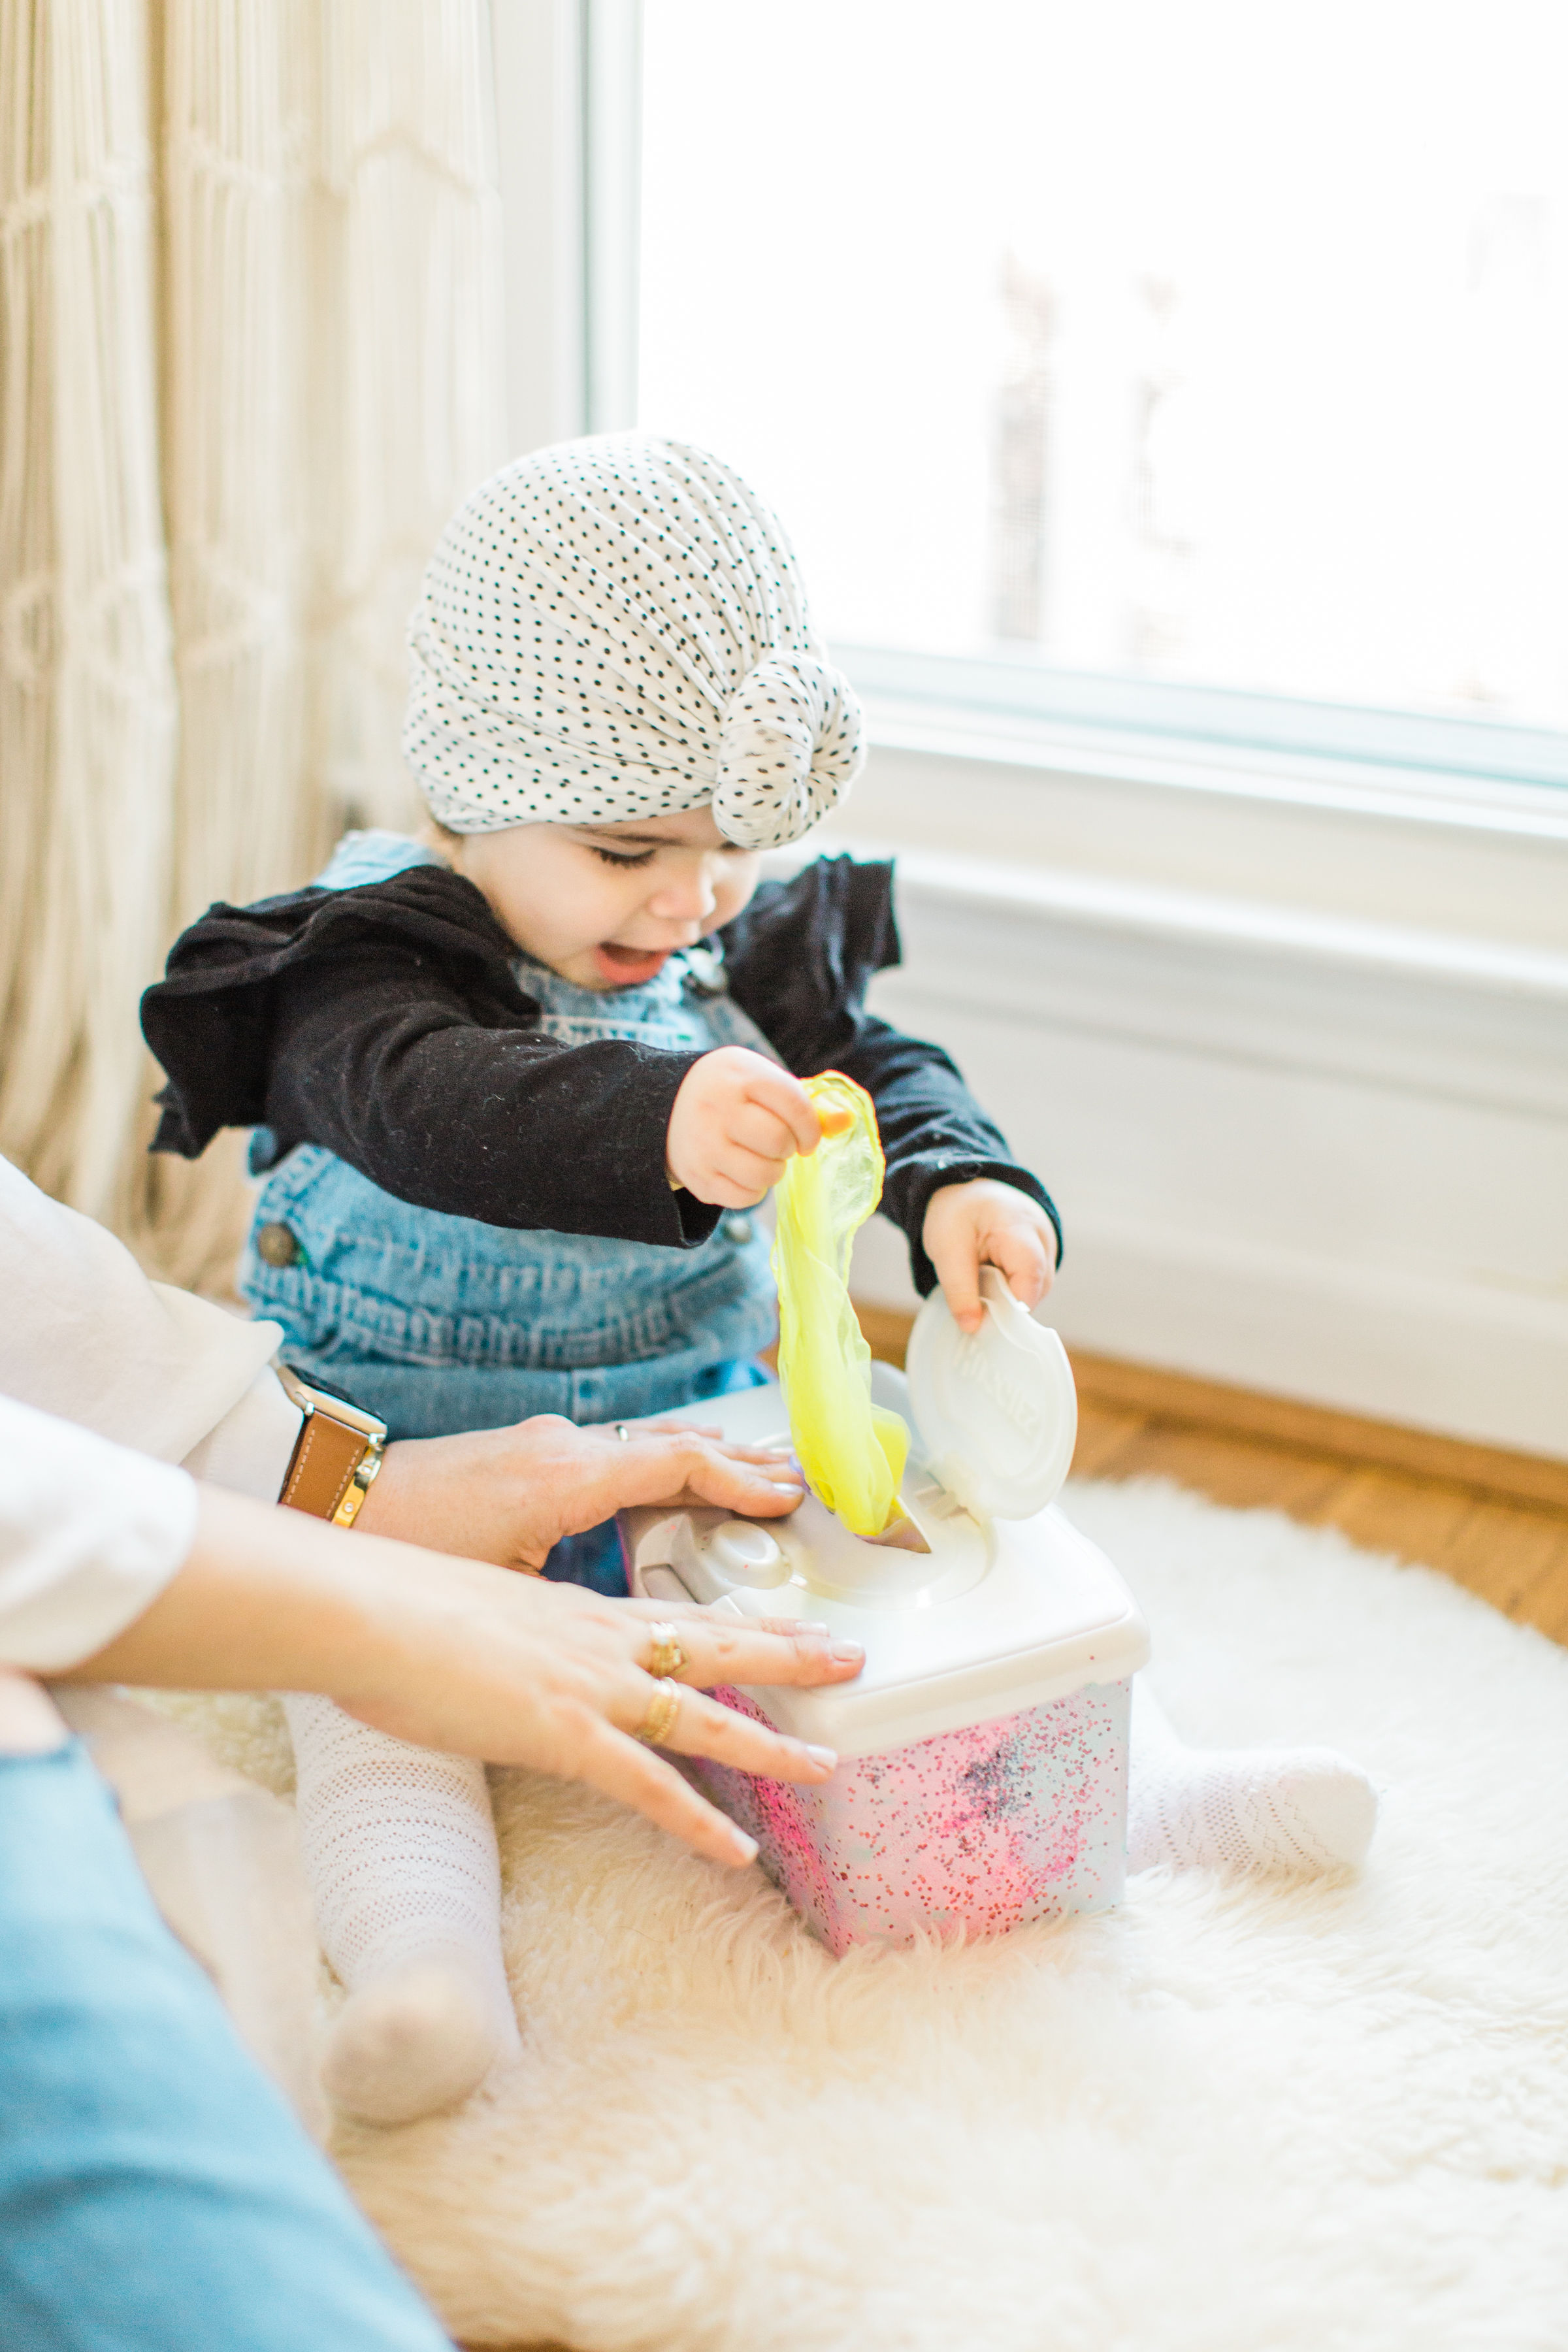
<point>616,628</point>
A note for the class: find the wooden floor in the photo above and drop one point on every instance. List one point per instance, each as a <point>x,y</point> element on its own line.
<point>1514,1554</point>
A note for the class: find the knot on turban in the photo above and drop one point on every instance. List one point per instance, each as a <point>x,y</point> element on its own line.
<point>789,746</point>
<point>616,628</point>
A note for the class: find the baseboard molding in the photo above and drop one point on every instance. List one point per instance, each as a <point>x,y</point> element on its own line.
<point>1466,1362</point>
<point>1172,1396</point>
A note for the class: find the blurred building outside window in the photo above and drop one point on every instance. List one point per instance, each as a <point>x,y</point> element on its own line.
<point>1169,362</point>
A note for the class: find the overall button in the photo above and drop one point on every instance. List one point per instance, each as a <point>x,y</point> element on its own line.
<point>279,1245</point>
<point>737,1230</point>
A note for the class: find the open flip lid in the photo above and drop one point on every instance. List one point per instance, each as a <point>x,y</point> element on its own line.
<point>997,1412</point>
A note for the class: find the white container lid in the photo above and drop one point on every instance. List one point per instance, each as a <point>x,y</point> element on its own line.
<point>996,1615</point>
<point>997,1410</point>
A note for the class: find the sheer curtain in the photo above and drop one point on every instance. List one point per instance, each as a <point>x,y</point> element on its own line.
<point>250,358</point>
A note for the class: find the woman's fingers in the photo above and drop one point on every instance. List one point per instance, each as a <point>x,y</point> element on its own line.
<point>700,1727</point>
<point>670,1465</point>
<point>723,1650</point>
<point>622,1768</point>
<point>777,1457</point>
<point>765,1488</point>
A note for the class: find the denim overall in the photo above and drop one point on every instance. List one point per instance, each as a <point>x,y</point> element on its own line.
<point>439,1323</point>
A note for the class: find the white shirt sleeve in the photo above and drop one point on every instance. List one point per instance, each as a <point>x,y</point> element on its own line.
<point>251,1447</point>
<point>87,1336</point>
<point>90,1535</point>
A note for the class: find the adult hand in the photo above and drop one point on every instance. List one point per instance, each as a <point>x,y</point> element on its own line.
<point>991,1224</point>
<point>738,1120</point>
<point>565,1690</point>
<point>459,1655</point>
<point>508,1494</point>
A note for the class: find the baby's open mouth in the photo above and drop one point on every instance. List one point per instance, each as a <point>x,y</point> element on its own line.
<point>625,967</point>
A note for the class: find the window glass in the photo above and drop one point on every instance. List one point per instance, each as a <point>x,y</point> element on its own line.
<point>1179,339</point>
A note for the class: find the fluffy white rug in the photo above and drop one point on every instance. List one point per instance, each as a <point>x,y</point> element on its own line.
<point>1224,2118</point>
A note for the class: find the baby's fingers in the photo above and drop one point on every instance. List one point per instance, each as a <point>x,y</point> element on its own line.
<point>1022,1254</point>
<point>758,1128</point>
<point>774,1090</point>
<point>956,1257</point>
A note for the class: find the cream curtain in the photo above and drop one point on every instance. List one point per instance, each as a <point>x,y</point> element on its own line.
<point>250,358</point>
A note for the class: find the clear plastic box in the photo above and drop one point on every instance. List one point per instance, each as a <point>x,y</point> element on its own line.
<point>983,1752</point>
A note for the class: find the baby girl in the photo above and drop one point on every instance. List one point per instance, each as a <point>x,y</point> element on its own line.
<point>518,1083</point>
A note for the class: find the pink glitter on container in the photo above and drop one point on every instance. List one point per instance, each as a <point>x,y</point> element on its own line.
<point>1020,1818</point>
<point>982,1782</point>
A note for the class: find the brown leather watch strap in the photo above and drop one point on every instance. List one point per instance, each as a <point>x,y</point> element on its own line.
<point>336,1439</point>
<point>325,1460</point>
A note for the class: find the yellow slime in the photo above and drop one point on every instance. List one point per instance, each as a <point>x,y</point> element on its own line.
<point>851,1450</point>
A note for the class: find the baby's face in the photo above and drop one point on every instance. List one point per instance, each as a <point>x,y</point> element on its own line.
<point>605,905</point>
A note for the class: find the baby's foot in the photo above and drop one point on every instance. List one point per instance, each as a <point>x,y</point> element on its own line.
<point>1298,1810</point>
<point>419,2038</point>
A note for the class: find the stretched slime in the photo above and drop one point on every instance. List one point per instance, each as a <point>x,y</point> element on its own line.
<point>852,1451</point>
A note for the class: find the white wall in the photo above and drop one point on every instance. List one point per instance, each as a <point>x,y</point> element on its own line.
<point>1306,1151</point>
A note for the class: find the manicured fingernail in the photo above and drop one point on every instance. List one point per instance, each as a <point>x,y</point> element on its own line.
<point>745,1846</point>
<point>844,1651</point>
<point>825,1756</point>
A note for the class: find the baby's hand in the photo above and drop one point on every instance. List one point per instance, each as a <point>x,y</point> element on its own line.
<point>987,1223</point>
<point>738,1118</point>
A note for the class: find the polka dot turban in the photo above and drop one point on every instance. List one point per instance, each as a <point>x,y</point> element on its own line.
<point>616,628</point>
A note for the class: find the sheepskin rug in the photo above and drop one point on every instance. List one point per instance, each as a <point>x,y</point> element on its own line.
<point>1228,2118</point>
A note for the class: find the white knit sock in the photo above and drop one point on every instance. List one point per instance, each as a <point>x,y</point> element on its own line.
<point>1242,1809</point>
<point>400,1849</point>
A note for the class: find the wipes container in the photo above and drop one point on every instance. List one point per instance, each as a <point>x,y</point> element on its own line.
<point>982,1780</point>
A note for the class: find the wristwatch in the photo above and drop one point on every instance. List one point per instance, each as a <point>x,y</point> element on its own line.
<point>336,1455</point>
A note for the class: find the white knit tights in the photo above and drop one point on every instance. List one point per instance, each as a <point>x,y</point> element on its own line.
<point>399,1845</point>
<point>1241,1809</point>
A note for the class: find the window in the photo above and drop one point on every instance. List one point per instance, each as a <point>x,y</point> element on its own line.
<point>1184,362</point>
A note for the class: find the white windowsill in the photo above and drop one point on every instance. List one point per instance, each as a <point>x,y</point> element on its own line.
<point>1406,864</point>
<point>1498,966</point>
<point>1345,786</point>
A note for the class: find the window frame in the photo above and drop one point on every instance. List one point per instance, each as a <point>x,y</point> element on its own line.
<point>1029,697</point>
<point>569,108</point>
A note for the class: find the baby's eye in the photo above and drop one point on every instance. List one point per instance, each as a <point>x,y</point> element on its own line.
<point>614,857</point>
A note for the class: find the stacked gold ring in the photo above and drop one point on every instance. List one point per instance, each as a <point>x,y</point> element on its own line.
<point>659,1720</point>
<point>669,1658</point>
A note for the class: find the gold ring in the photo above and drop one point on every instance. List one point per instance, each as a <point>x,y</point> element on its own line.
<point>663,1709</point>
<point>669,1658</point>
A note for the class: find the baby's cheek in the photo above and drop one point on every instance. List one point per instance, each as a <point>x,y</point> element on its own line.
<point>737,880</point>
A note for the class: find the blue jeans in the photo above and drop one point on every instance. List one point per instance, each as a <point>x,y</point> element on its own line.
<point>156,2193</point>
